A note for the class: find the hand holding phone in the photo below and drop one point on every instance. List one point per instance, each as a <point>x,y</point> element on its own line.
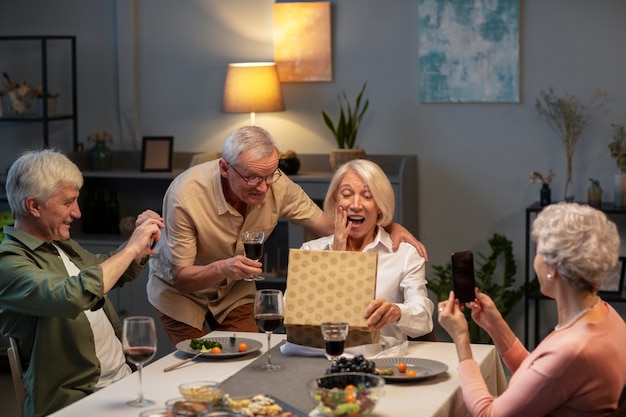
<point>463,276</point>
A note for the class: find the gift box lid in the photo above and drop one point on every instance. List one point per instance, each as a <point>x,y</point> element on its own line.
<point>329,286</point>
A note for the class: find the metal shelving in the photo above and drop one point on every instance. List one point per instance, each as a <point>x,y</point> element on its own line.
<point>44,119</point>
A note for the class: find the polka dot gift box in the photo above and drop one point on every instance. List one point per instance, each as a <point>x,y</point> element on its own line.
<point>333,286</point>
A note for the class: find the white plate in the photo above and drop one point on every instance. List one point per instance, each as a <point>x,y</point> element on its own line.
<point>229,350</point>
<point>425,368</point>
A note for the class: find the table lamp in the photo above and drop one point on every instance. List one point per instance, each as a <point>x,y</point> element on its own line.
<point>252,87</point>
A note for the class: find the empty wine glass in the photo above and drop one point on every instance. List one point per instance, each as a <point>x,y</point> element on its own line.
<point>139,344</point>
<point>334,338</point>
<point>253,247</point>
<point>269,314</point>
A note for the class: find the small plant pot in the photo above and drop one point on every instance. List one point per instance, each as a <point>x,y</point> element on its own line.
<point>338,157</point>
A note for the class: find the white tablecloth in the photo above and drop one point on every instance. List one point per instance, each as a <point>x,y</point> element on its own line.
<point>442,397</point>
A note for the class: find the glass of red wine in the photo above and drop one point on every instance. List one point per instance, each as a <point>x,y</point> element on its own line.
<point>269,314</point>
<point>334,338</point>
<point>253,247</point>
<point>139,344</point>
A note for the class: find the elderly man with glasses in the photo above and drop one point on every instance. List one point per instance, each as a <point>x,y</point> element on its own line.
<point>198,278</point>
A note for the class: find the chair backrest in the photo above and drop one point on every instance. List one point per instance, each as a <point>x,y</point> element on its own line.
<point>16,373</point>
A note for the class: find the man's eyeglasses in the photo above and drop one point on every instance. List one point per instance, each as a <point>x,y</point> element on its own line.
<point>255,181</point>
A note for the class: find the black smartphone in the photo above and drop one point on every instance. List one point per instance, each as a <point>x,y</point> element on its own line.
<point>463,276</point>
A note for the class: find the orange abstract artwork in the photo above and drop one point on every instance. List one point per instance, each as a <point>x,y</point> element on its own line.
<point>302,41</point>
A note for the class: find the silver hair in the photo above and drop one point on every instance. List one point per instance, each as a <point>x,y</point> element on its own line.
<point>39,174</point>
<point>253,139</point>
<point>579,241</point>
<point>377,182</point>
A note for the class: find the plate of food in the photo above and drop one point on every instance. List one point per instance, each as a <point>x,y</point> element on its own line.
<point>408,369</point>
<point>261,405</point>
<point>219,347</point>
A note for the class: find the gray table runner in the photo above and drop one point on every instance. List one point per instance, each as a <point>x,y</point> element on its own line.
<point>288,384</point>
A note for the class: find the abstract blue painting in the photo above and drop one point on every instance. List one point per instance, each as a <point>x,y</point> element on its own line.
<point>469,50</point>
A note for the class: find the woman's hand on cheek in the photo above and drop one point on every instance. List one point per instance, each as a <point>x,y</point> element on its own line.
<point>342,229</point>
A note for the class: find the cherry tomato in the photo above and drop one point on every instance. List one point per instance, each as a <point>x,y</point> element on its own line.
<point>350,397</point>
<point>401,367</point>
<point>411,372</point>
<point>243,346</point>
<point>350,387</point>
<point>216,349</point>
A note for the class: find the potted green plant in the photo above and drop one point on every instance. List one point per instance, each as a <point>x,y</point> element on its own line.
<point>502,291</point>
<point>568,116</point>
<point>346,128</point>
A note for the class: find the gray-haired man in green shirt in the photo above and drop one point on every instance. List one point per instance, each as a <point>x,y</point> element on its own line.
<point>53,292</point>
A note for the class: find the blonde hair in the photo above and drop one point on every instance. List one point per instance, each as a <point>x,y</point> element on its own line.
<point>377,182</point>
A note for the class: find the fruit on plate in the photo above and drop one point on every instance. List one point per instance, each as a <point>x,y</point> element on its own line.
<point>356,364</point>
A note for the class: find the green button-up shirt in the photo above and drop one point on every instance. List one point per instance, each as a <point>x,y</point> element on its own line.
<point>43,309</point>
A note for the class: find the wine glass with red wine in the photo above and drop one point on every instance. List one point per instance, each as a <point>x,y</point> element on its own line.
<point>253,247</point>
<point>334,338</point>
<point>139,344</point>
<point>269,315</point>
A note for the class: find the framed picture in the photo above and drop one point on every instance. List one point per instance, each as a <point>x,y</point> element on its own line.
<point>614,281</point>
<point>302,41</point>
<point>469,51</point>
<point>156,153</point>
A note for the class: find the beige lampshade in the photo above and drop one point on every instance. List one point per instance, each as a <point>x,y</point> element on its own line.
<point>252,87</point>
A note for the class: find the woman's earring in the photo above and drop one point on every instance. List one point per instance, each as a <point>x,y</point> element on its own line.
<point>549,277</point>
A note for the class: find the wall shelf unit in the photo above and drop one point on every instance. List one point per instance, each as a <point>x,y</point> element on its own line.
<point>43,43</point>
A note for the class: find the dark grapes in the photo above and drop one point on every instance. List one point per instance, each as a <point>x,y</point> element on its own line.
<point>341,380</point>
<point>357,364</point>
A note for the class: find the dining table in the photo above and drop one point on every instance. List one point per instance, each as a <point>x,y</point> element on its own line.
<point>439,395</point>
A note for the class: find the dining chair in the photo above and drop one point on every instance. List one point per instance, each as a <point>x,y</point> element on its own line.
<point>16,372</point>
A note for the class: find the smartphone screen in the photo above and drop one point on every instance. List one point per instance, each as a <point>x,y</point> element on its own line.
<point>463,276</point>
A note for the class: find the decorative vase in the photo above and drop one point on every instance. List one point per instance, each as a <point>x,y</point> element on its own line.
<point>545,195</point>
<point>100,157</point>
<point>594,194</point>
<point>339,157</point>
<point>569,189</point>
<point>619,190</point>
<point>289,166</point>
